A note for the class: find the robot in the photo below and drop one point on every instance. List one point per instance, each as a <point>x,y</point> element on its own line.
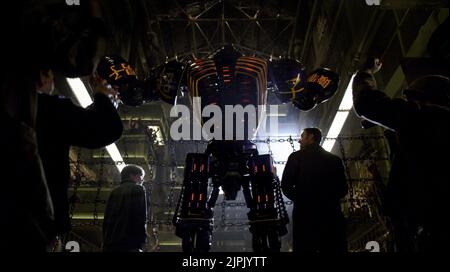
<point>227,78</point>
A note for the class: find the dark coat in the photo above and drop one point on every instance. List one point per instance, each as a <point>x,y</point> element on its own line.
<point>25,205</point>
<point>125,221</point>
<point>315,180</point>
<point>61,124</point>
<point>418,188</point>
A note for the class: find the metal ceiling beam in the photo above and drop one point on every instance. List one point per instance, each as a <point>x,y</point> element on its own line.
<point>232,33</point>
<point>399,34</point>
<point>164,19</point>
<point>254,50</point>
<point>417,49</point>
<point>163,46</point>
<point>294,28</point>
<point>205,37</point>
<point>194,38</point>
<point>396,31</point>
<point>276,38</point>
<point>264,32</point>
<point>333,31</point>
<point>364,39</point>
<point>243,12</point>
<point>148,29</point>
<point>206,10</point>
<point>244,32</point>
<point>222,22</point>
<point>308,30</point>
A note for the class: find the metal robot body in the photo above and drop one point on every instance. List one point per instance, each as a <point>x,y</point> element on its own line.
<point>226,78</point>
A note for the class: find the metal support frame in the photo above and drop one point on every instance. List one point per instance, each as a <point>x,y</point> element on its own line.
<point>308,31</point>
<point>396,32</point>
<point>294,29</point>
<point>223,26</point>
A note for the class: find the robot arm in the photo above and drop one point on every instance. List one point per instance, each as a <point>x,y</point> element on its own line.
<point>287,78</point>
<point>289,82</point>
<point>162,84</point>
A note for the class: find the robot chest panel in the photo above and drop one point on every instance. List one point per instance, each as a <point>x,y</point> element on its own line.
<point>243,82</point>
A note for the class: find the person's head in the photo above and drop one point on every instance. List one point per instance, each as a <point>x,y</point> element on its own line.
<point>132,173</point>
<point>310,136</point>
<point>44,81</point>
<point>430,89</point>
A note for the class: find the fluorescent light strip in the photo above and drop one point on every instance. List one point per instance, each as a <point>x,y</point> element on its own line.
<point>328,144</point>
<point>86,216</point>
<point>80,91</point>
<point>340,118</point>
<point>115,156</point>
<point>84,99</point>
<point>347,100</point>
<point>170,244</point>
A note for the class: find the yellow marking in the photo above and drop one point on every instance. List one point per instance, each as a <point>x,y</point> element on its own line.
<point>124,67</point>
<point>323,81</point>
<point>295,81</point>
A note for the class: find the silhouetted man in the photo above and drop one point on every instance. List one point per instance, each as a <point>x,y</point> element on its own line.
<point>125,222</point>
<point>63,38</point>
<point>61,124</point>
<point>418,189</point>
<point>314,180</point>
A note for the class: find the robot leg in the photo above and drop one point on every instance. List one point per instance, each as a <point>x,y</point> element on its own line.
<point>266,218</point>
<point>196,237</point>
<point>193,217</point>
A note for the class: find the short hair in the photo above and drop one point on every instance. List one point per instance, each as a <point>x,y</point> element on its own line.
<point>129,170</point>
<point>317,134</point>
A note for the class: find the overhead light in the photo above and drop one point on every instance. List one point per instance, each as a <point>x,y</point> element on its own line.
<point>86,216</point>
<point>159,137</point>
<point>80,91</point>
<point>340,117</point>
<point>170,243</point>
<point>115,156</point>
<point>84,99</point>
<point>347,100</point>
